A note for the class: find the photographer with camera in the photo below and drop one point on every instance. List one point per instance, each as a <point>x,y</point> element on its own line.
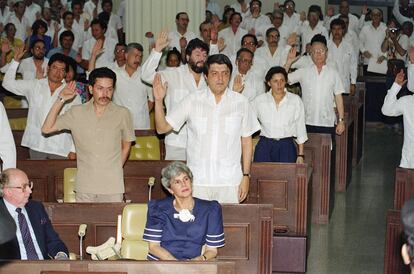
<point>395,42</point>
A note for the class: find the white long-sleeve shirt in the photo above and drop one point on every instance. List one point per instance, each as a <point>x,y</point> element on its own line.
<point>131,93</point>
<point>214,135</point>
<point>278,58</point>
<point>318,93</point>
<point>281,121</point>
<point>40,100</point>
<point>355,23</point>
<point>405,107</point>
<point>7,146</point>
<point>306,33</point>
<point>370,39</point>
<point>397,14</point>
<point>292,23</point>
<point>232,40</point>
<point>346,62</point>
<point>174,38</point>
<point>181,83</point>
<point>249,22</point>
<point>253,85</point>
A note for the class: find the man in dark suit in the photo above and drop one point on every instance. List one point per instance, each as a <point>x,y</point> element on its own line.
<point>35,237</point>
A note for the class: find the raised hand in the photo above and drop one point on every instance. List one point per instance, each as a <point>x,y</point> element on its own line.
<point>86,25</point>
<point>381,59</point>
<point>330,12</point>
<point>159,90</point>
<point>238,84</point>
<point>183,42</point>
<point>364,9</point>
<point>291,41</point>
<point>276,6</point>
<point>98,47</point>
<point>292,54</point>
<point>221,44</point>
<point>302,16</point>
<point>69,91</point>
<point>19,52</point>
<point>162,41</point>
<point>400,78</point>
<point>5,47</point>
<point>213,34</point>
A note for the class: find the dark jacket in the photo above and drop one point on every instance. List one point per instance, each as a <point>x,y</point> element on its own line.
<point>47,238</point>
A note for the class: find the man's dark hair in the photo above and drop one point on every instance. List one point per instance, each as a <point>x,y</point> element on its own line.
<point>99,22</point>
<point>66,13</point>
<point>9,25</point>
<point>66,33</point>
<point>318,38</point>
<point>235,14</point>
<point>58,57</point>
<point>134,45</point>
<point>104,17</point>
<point>249,35</point>
<point>179,14</point>
<point>37,25</point>
<point>196,44</point>
<point>241,50</point>
<point>341,16</point>
<point>289,1</point>
<point>32,44</point>
<point>338,22</point>
<point>317,9</point>
<point>175,52</point>
<point>270,30</point>
<point>76,3</point>
<point>102,73</point>
<point>105,2</point>
<point>257,1</point>
<point>202,24</point>
<point>220,59</point>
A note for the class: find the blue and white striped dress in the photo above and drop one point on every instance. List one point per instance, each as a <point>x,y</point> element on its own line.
<point>184,240</point>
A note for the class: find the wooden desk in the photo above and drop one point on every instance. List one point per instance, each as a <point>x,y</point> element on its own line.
<point>393,263</point>
<point>403,187</point>
<point>131,267</point>
<point>248,231</point>
<point>343,151</point>
<point>318,156</point>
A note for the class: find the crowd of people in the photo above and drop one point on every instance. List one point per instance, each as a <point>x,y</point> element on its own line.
<point>87,91</point>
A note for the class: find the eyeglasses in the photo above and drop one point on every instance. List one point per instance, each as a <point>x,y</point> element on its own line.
<point>120,50</point>
<point>319,51</point>
<point>246,61</point>
<point>249,44</point>
<point>23,187</point>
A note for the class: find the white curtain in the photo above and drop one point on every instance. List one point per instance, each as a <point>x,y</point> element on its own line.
<point>156,15</point>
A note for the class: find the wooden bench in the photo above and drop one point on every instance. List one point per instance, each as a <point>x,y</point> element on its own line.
<point>130,267</point>
<point>247,228</point>
<point>393,262</point>
<point>318,156</point>
<point>343,152</point>
<point>359,119</point>
<point>403,187</point>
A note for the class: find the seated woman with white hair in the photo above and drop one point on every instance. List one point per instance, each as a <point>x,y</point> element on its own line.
<point>179,226</point>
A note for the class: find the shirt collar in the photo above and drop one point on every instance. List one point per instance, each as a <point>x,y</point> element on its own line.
<point>11,208</point>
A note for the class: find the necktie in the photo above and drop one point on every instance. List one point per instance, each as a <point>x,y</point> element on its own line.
<point>27,238</point>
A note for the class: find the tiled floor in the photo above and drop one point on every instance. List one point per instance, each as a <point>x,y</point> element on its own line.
<point>353,242</point>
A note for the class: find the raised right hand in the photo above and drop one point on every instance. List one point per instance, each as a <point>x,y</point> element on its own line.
<point>69,91</point>
<point>98,47</point>
<point>18,53</point>
<point>162,41</point>
<point>159,90</point>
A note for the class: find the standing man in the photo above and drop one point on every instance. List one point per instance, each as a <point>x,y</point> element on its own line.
<point>41,95</point>
<point>255,19</point>
<point>243,79</point>
<point>98,28</point>
<point>220,124</point>
<point>35,237</point>
<point>180,37</point>
<point>321,87</point>
<point>130,91</point>
<point>232,35</point>
<point>182,81</point>
<point>7,146</point>
<point>102,132</point>
<point>343,54</point>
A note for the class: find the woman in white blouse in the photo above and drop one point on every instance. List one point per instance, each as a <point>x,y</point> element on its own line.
<point>282,118</point>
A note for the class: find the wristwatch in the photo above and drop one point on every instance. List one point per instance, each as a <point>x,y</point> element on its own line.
<point>246,175</point>
<point>341,120</point>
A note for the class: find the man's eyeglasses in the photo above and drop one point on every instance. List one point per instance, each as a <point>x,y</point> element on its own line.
<point>23,187</point>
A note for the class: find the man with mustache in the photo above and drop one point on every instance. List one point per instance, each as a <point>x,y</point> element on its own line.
<point>102,133</point>
<point>220,124</point>
<point>182,81</point>
<point>131,92</point>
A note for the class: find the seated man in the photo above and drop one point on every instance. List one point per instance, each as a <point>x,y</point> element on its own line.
<point>178,226</point>
<point>35,237</point>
